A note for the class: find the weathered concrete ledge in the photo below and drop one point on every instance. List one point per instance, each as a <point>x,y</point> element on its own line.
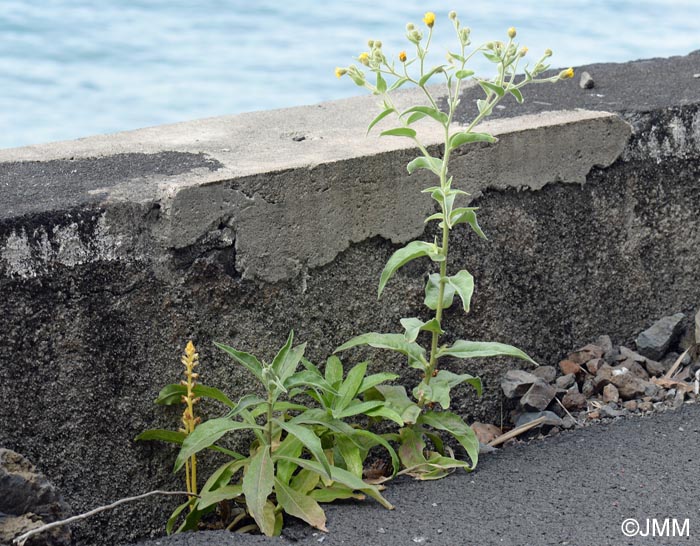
<point>114,250</point>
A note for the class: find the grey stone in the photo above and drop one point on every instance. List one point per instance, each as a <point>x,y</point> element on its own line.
<point>629,354</point>
<point>605,343</point>
<point>546,373</point>
<point>574,401</point>
<point>609,411</point>
<point>630,386</point>
<point>586,81</point>
<point>655,341</point>
<point>568,422</point>
<point>566,381</point>
<point>538,396</point>
<point>27,501</point>
<point>551,419</point>
<point>655,368</point>
<point>517,382</point>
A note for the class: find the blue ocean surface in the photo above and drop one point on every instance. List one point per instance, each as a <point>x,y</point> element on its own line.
<point>72,68</point>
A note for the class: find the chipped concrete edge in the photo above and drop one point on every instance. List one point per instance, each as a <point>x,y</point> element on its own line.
<point>287,219</point>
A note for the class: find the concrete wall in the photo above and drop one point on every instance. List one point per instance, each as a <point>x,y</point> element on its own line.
<point>115,250</point>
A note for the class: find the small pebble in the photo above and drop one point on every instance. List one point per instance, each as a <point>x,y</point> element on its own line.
<point>381,530</point>
<point>419,540</point>
<point>586,81</point>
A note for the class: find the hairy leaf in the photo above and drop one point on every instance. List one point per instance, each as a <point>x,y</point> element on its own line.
<point>481,349</point>
<point>247,360</point>
<point>454,425</point>
<point>467,215</point>
<point>379,118</point>
<point>309,439</point>
<point>432,164</point>
<point>432,293</point>
<point>348,389</point>
<point>463,283</point>
<point>437,115</point>
<point>413,250</point>
<point>393,342</point>
<point>458,139</point>
<point>258,484</point>
<point>300,506</point>
<point>400,132</point>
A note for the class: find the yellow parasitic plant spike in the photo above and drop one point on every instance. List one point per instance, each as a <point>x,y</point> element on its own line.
<point>189,360</point>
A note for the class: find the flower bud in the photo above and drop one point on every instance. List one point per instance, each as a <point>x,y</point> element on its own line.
<point>340,72</point>
<point>378,44</point>
<point>370,43</point>
<point>523,51</point>
<point>429,19</point>
<point>547,52</point>
<point>364,58</point>
<point>402,57</point>
<point>410,27</point>
<point>566,74</point>
<point>452,15</point>
<point>511,32</point>
<point>464,35</point>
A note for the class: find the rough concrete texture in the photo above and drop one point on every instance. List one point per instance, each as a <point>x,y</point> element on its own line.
<point>105,278</point>
<point>574,489</point>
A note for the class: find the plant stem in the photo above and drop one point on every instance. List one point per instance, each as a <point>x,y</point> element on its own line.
<point>269,421</point>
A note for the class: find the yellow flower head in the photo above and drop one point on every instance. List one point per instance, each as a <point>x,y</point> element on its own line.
<point>340,72</point>
<point>523,51</point>
<point>364,58</point>
<point>511,32</point>
<point>566,74</point>
<point>429,19</point>
<point>189,349</point>
<point>402,57</point>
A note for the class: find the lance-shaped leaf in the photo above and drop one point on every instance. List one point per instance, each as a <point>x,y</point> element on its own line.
<point>490,87</point>
<point>381,83</point>
<point>429,75</point>
<point>437,115</point>
<point>412,447</point>
<point>397,400</point>
<point>481,349</point>
<point>379,118</point>
<point>517,94</point>
<point>468,216</point>
<point>247,360</point>
<point>432,164</point>
<point>348,389</point>
<point>413,250</point>
<point>454,425</point>
<point>398,83</point>
<point>458,139</point>
<point>414,325</point>
<point>432,293</point>
<point>309,439</point>
<point>334,371</point>
<point>345,478</point>
<point>205,435</point>
<point>393,342</point>
<point>399,131</point>
<point>227,492</point>
<point>172,394</point>
<point>461,74</point>
<point>375,379</point>
<point>334,493</point>
<point>258,483</point>
<point>440,386</point>
<point>287,360</point>
<point>300,506</point>
<point>463,283</point>
<point>171,436</point>
<point>356,408</point>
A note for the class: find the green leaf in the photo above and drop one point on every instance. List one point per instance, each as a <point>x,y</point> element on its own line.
<point>348,479</point>
<point>458,139</point>
<point>398,83</point>
<point>432,293</point>
<point>463,283</point>
<point>290,362</point>
<point>484,107</point>
<point>386,413</point>
<point>454,425</point>
<point>413,250</point>
<point>244,403</point>
<point>309,439</point>
<point>205,435</point>
<point>372,440</point>
<point>493,58</point>
<point>300,505</point>
<point>397,399</point>
<point>461,74</point>
<point>453,379</point>
<point>351,455</point>
<point>226,492</point>
<point>415,325</point>
<point>173,517</point>
<point>172,394</point>
<point>381,83</point>
<point>468,216</point>
<point>393,342</point>
<point>289,447</point>
<point>375,379</point>
<point>416,116</point>
<point>517,94</point>
<point>438,390</point>
<point>411,448</point>
<point>481,349</point>
<point>334,372</point>
<point>379,118</point>
<point>247,360</point>
<point>305,481</point>
<point>489,86</point>
<point>258,483</point>
<point>348,389</point>
<point>334,493</point>
<point>222,475</point>
<point>429,75</point>
<point>433,164</point>
<point>399,131</point>
<point>437,115</point>
<point>356,409</point>
<point>162,435</point>
<point>457,57</point>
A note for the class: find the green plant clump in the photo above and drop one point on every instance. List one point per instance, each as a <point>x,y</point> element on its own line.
<point>304,452</point>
